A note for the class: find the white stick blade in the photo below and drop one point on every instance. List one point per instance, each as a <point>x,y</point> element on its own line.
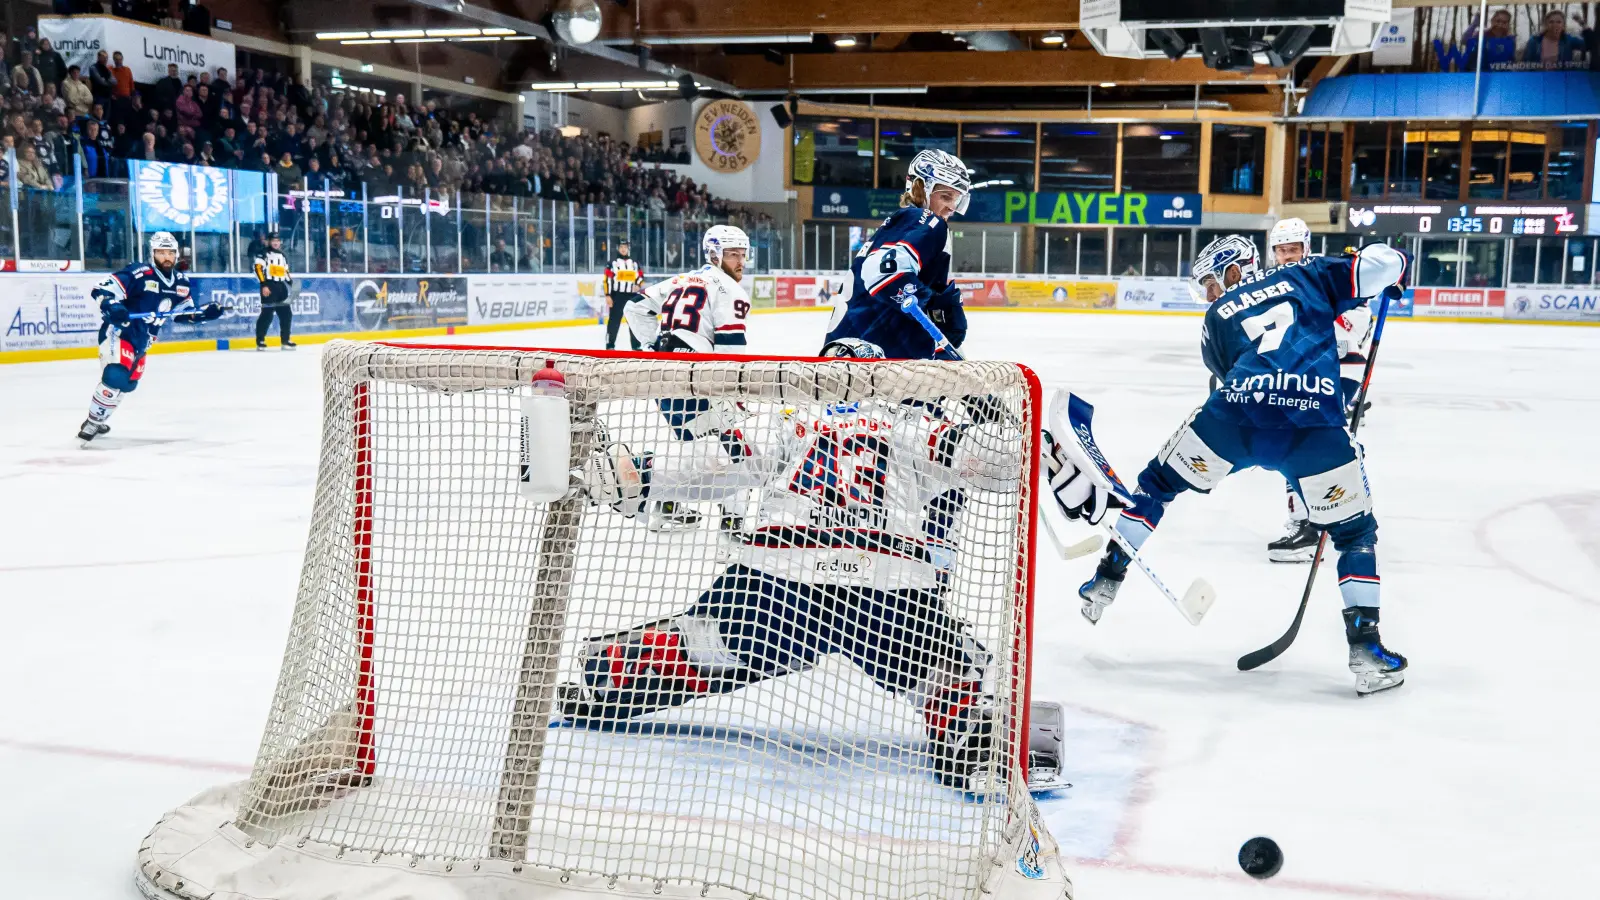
<point>1197,600</point>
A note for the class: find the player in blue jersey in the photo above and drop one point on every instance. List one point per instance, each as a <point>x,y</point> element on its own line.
<point>135,302</point>
<point>908,261</point>
<point>1269,340</point>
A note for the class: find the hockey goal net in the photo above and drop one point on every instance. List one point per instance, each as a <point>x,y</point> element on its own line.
<point>445,723</point>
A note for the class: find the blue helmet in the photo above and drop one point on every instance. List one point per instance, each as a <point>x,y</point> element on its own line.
<point>936,167</point>
<point>1213,262</point>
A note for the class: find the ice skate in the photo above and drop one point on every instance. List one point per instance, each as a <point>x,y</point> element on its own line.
<point>1376,667</point>
<point>1298,544</point>
<point>288,345</point>
<point>961,725</point>
<point>91,430</point>
<point>1099,591</point>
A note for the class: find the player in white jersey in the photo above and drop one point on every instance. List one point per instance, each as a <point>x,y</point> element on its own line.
<point>708,302</point>
<point>1289,242</point>
<point>854,544</point>
<point>698,312</point>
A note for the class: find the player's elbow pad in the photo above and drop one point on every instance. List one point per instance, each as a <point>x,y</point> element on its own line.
<point>1377,267</point>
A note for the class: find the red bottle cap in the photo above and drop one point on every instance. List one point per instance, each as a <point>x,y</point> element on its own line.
<point>550,375</point>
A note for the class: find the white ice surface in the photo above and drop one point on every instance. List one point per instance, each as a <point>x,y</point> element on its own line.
<point>146,585</point>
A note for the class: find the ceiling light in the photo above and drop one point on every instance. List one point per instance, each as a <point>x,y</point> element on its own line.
<point>474,40</point>
<point>577,21</point>
<point>1108,84</point>
<point>499,31</point>
<point>1166,137</point>
<point>844,40</point>
<point>522,37</point>
<point>551,86</point>
<point>371,41</point>
<point>600,86</point>
<point>366,67</point>
<point>340,35</point>
<point>453,32</point>
<point>423,40</point>
<point>1053,37</point>
<point>401,33</point>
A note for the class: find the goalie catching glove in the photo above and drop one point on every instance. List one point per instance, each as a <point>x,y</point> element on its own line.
<point>1072,483</point>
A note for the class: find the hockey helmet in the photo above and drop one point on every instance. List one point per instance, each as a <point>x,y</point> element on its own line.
<point>163,240</point>
<point>936,167</point>
<point>1290,231</point>
<point>723,237</point>
<point>851,348</point>
<point>1218,256</point>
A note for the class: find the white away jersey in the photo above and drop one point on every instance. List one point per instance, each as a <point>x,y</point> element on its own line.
<point>705,301</point>
<point>851,497</point>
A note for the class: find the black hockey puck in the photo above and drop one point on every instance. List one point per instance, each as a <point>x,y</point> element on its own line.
<point>1260,857</point>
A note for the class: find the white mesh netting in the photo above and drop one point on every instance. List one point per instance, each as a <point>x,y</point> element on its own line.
<point>745,681</point>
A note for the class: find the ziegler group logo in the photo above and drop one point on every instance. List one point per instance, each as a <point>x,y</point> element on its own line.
<point>182,197</point>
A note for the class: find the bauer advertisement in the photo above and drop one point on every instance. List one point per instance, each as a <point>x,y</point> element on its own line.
<point>500,299</point>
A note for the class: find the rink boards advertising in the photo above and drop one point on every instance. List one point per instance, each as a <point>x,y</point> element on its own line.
<point>57,312</point>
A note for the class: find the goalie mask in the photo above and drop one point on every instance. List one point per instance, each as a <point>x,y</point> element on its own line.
<point>851,348</point>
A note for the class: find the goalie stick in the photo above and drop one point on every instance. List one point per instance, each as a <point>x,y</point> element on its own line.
<point>1272,651</point>
<point>1070,414</point>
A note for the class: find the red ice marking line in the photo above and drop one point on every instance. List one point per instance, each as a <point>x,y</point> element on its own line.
<point>1143,780</point>
<point>1279,883</point>
<point>121,756</point>
<point>144,562</point>
<point>1480,533</point>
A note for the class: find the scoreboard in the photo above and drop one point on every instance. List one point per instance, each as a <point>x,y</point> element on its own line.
<point>1499,219</point>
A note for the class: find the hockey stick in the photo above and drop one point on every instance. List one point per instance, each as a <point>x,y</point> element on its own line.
<point>1070,414</point>
<point>1082,548</point>
<point>941,344</point>
<point>1275,649</point>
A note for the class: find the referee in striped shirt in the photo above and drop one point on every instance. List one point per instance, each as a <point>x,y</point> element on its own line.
<point>624,281</point>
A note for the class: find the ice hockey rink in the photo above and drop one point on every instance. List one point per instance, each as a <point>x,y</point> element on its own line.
<point>146,585</point>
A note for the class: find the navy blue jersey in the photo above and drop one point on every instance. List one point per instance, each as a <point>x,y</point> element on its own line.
<point>1270,341</point>
<point>141,288</point>
<point>908,252</point>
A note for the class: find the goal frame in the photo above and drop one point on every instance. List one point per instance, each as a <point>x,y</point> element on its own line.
<point>509,841</point>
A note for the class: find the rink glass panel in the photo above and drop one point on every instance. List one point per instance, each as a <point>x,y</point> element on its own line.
<point>438,610</point>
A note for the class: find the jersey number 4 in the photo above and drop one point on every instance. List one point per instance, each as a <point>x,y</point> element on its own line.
<point>1269,328</point>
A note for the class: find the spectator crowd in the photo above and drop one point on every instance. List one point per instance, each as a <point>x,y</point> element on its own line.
<point>61,119</point>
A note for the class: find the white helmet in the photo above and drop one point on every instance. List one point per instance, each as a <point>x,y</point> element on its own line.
<point>723,237</point>
<point>851,348</point>
<point>936,167</point>
<point>1289,231</point>
<point>1212,263</point>
<point>163,240</point>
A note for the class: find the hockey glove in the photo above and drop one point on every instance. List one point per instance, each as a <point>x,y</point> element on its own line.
<point>1076,493</point>
<point>946,311</point>
<point>117,314</point>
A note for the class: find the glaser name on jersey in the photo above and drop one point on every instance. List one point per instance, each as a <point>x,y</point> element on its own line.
<point>1247,299</point>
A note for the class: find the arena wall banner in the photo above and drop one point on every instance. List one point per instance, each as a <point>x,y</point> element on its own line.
<point>763,292</point>
<point>499,299</point>
<point>800,288</point>
<point>1157,295</point>
<point>319,305</point>
<point>146,49</point>
<point>1057,293</point>
<point>1458,303</point>
<point>385,302</point>
<point>1574,304</point>
<point>48,313</point>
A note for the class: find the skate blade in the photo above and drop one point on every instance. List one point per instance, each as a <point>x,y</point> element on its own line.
<point>1371,683</point>
<point>1092,613</point>
<point>1292,556</point>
